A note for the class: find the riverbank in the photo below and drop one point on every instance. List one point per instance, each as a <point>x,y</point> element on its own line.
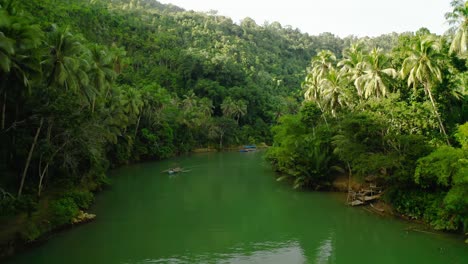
<point>23,231</point>
<point>382,208</point>
<point>51,215</point>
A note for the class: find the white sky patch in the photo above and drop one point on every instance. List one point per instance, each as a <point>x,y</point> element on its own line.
<point>340,17</point>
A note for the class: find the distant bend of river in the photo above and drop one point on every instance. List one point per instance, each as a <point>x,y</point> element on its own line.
<point>228,208</point>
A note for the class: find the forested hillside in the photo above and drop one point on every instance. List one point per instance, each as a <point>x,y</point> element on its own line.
<point>396,117</point>
<point>87,85</point>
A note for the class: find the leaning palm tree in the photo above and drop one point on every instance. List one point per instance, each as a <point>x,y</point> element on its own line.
<point>421,66</point>
<point>458,18</point>
<point>377,75</point>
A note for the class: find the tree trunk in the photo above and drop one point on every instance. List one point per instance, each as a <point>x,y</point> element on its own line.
<point>93,104</point>
<point>136,128</point>
<point>41,177</point>
<point>28,161</point>
<point>349,181</point>
<point>4,109</point>
<point>221,141</point>
<point>46,169</point>
<point>442,128</point>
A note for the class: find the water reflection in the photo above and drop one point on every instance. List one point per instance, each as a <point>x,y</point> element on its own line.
<point>325,250</point>
<point>269,252</point>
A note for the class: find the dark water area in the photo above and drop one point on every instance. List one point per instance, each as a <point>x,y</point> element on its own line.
<point>229,209</point>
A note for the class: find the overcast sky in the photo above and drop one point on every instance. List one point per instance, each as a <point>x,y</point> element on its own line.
<point>340,17</point>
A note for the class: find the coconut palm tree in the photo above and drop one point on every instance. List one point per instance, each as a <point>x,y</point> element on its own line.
<point>206,107</point>
<point>377,75</point>
<point>228,107</point>
<point>312,87</point>
<point>234,109</point>
<point>421,66</point>
<point>66,61</point>
<point>6,44</point>
<point>190,101</point>
<point>240,110</point>
<point>335,92</point>
<point>323,62</point>
<point>101,72</point>
<point>352,65</point>
<point>458,18</point>
<point>18,42</point>
<point>321,65</point>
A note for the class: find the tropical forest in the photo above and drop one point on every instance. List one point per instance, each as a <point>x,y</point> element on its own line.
<point>133,131</point>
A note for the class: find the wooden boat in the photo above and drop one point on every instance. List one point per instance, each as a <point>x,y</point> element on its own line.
<point>175,170</point>
<point>250,147</point>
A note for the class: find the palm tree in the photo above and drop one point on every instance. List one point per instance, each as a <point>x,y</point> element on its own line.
<point>101,73</point>
<point>240,110</point>
<point>377,75</point>
<point>352,65</point>
<point>132,102</point>
<point>18,42</point>
<point>6,45</point>
<point>421,66</point>
<point>323,62</point>
<point>66,62</point>
<point>335,94</point>
<point>234,109</point>
<point>312,87</point>
<point>206,107</point>
<point>321,65</point>
<point>189,102</point>
<point>228,106</point>
<point>458,18</point>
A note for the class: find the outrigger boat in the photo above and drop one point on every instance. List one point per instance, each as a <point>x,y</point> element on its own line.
<point>175,170</point>
<point>248,148</point>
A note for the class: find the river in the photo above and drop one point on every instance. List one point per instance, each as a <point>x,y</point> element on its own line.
<point>229,209</point>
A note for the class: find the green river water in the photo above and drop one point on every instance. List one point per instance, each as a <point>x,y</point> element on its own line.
<point>230,209</point>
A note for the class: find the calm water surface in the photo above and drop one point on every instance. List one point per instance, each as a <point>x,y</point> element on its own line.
<point>229,209</point>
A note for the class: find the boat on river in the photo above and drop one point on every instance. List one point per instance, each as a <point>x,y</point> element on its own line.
<point>175,170</point>
<point>248,148</point>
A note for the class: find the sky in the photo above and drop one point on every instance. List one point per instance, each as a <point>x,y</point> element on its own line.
<point>340,17</point>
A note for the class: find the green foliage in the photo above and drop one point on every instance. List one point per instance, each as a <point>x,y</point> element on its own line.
<point>446,169</point>
<point>63,210</point>
<point>31,232</point>
<point>86,85</point>
<point>427,206</point>
<point>82,199</point>
<point>440,167</point>
<point>383,124</point>
<point>302,148</point>
<point>8,203</point>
